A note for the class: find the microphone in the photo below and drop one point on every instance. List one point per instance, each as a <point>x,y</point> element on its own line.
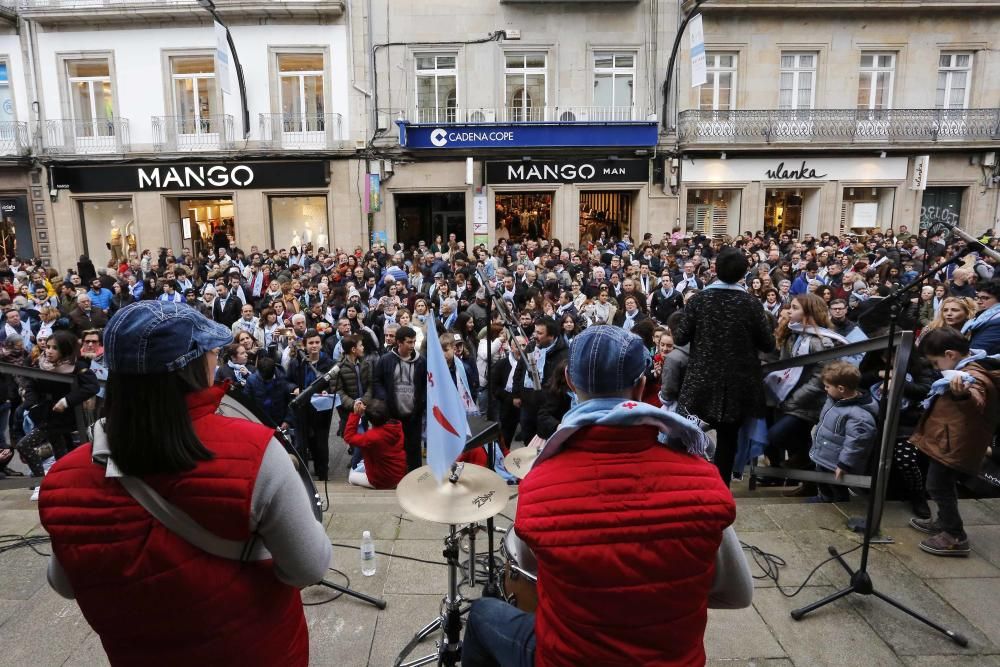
<point>307,393</point>
<point>970,239</point>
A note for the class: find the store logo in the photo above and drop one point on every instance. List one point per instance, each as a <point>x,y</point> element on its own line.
<point>799,174</point>
<point>439,137</point>
<point>217,176</point>
<point>8,207</point>
<point>556,172</point>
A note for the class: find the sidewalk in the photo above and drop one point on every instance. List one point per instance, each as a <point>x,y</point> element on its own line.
<point>42,629</point>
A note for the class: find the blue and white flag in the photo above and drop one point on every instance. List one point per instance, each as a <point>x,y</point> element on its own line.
<point>447,424</point>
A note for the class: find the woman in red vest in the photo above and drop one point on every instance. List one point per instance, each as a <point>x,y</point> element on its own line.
<point>153,597</point>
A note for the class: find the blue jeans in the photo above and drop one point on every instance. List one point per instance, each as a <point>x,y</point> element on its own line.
<point>498,634</point>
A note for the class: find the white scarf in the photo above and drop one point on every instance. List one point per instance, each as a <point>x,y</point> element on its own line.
<point>781,383</point>
<point>629,320</point>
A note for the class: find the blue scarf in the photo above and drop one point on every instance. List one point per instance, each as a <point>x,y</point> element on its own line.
<point>673,428</point>
<point>941,386</point>
<point>984,318</point>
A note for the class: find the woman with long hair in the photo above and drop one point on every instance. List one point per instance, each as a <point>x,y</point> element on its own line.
<point>954,312</point>
<point>51,405</point>
<point>799,392</point>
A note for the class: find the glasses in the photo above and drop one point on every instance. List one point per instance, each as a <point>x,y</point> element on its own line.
<point>984,297</point>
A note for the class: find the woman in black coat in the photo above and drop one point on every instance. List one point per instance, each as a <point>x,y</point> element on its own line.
<point>726,329</point>
<point>556,402</point>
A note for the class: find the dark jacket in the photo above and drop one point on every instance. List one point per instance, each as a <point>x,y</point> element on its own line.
<point>81,321</point>
<point>230,313</point>
<point>348,386</point>
<point>554,405</point>
<point>41,395</point>
<point>558,351</point>
<point>271,396</point>
<point>845,434</point>
<point>663,307</point>
<point>726,329</point>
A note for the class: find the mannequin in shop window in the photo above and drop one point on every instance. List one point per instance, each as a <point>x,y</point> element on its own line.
<point>116,243</point>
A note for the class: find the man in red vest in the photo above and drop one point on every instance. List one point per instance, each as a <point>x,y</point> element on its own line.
<point>632,535</point>
<point>151,594</point>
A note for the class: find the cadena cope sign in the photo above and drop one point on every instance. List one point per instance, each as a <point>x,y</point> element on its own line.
<point>181,177</point>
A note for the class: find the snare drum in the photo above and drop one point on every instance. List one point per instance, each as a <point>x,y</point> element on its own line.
<point>520,573</point>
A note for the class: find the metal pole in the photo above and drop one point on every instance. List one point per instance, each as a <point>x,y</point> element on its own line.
<point>673,58</point>
<point>240,80</point>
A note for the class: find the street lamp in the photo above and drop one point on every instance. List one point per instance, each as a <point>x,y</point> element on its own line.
<point>209,6</point>
<point>673,59</point>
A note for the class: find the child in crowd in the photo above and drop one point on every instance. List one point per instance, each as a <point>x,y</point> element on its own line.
<point>846,430</point>
<point>960,416</point>
<point>381,447</point>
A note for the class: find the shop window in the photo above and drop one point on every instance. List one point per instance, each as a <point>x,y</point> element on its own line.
<point>195,99</point>
<point>797,85</point>
<point>718,92</point>
<point>107,221</point>
<point>607,214</point>
<point>298,220</point>
<point>301,86</point>
<point>714,213</point>
<point>866,209</point>
<point>521,215</point>
<point>6,99</point>
<point>941,205</point>
<point>614,86</point>
<point>437,88</point>
<point>525,93</point>
<point>954,73</point>
<point>783,212</point>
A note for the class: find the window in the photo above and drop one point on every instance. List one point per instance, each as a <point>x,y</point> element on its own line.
<point>296,220</point>
<point>614,77</point>
<point>798,81</point>
<point>91,100</point>
<point>195,98</point>
<point>300,77</point>
<point>525,93</point>
<point>878,72</point>
<point>717,93</point>
<point>437,88</point>
<point>103,220</point>
<point>954,70</point>
<point>6,99</point>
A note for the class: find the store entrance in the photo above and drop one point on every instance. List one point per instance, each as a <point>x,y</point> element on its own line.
<point>203,224</point>
<point>783,212</point>
<point>427,216</point>
<point>520,215</point>
<point>605,213</point>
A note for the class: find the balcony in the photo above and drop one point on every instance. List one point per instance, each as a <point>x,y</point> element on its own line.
<point>82,137</point>
<point>137,11</point>
<point>837,126</point>
<point>14,138</point>
<point>300,131</point>
<point>185,134</point>
<point>516,115</point>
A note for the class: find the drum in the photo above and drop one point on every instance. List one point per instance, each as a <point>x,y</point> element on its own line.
<point>520,573</point>
<point>235,404</point>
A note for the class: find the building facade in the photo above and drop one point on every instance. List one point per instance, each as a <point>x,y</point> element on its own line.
<point>816,117</point>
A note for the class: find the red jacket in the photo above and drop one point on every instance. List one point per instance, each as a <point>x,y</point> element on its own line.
<point>153,598</point>
<point>625,531</point>
<point>382,449</point>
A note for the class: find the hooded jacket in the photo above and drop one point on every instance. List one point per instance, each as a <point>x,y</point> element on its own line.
<point>845,433</point>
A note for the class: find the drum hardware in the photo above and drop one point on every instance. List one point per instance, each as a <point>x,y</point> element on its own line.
<point>236,404</point>
<point>470,494</point>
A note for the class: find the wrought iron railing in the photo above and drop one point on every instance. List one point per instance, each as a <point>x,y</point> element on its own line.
<point>748,126</point>
<point>529,114</point>
<point>300,131</point>
<point>14,138</point>
<point>193,133</point>
<point>86,137</point>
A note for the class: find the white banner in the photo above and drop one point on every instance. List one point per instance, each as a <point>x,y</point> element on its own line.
<point>696,31</point>
<point>222,58</point>
<point>794,169</point>
<point>921,165</point>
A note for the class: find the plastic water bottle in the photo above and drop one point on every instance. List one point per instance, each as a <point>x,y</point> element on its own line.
<point>367,554</point>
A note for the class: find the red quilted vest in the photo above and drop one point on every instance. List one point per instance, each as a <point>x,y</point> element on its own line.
<point>625,531</point>
<point>153,598</point>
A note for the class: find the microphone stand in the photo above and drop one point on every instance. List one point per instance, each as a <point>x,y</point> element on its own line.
<point>861,581</point>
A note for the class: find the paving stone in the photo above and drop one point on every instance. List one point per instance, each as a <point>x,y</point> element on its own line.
<point>802,516</point>
<point>89,654</point>
<point>49,629</point>
<point>975,513</point>
<point>952,661</point>
<point>985,542</point>
<point>752,662</point>
<point>410,577</point>
<point>19,521</point>
<point>781,544</point>
<point>993,505</point>
<point>739,633</point>
<point>976,599</point>
<point>340,632</point>
<point>753,520</point>
<point>928,566</point>
<point>7,609</point>
<point>394,631</point>
<point>382,525</point>
<point>834,635</point>
<point>22,573</point>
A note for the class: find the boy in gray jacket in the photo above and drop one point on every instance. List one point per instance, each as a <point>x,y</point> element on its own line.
<point>846,430</point>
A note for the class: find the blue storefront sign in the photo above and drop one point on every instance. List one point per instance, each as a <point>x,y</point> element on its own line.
<point>529,135</point>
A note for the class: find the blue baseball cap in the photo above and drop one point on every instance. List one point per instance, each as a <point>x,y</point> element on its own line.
<point>605,360</point>
<point>159,337</point>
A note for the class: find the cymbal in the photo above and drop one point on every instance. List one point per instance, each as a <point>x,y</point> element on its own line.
<point>519,462</point>
<point>478,494</point>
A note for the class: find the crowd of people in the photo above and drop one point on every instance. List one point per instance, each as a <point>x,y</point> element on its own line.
<point>352,328</point>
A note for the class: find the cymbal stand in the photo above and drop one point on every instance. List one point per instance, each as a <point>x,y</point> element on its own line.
<point>449,651</point>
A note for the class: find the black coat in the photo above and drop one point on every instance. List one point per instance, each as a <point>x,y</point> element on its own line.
<point>726,329</point>
<point>41,395</point>
<point>230,313</point>
<point>662,307</point>
<point>558,352</point>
